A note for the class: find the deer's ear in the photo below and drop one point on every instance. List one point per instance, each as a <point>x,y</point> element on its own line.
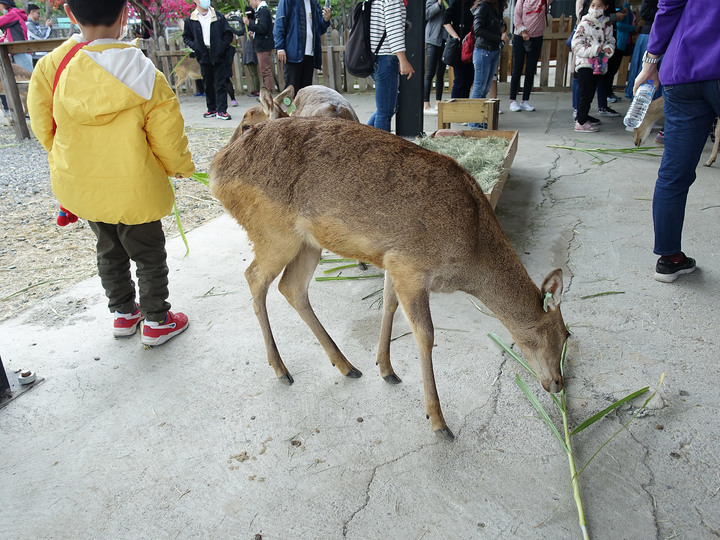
<point>551,290</point>
<point>289,92</point>
<point>266,101</point>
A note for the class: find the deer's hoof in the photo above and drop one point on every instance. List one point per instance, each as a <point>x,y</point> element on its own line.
<point>392,379</point>
<point>354,373</point>
<point>286,379</point>
<point>445,434</point>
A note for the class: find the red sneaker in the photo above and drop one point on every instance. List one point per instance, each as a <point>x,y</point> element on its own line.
<point>125,324</point>
<point>155,333</point>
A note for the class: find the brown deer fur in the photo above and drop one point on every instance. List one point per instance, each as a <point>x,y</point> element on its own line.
<point>186,68</point>
<point>297,185</point>
<point>315,100</point>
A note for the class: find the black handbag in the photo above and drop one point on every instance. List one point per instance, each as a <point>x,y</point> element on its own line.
<point>451,52</point>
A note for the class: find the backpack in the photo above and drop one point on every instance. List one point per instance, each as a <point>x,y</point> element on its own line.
<point>359,57</point>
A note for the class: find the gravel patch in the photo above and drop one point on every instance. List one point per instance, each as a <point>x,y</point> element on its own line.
<point>39,259</point>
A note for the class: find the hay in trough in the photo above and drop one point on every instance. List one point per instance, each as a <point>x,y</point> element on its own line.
<point>481,157</point>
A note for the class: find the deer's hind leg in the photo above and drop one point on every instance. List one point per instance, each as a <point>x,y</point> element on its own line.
<point>294,286</point>
<point>390,305</point>
<point>415,300</point>
<point>266,266</point>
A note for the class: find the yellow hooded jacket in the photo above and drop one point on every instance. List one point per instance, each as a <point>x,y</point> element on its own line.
<point>119,132</point>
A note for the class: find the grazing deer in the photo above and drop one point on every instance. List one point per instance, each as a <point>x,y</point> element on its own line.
<point>21,75</point>
<point>315,100</point>
<point>654,113</point>
<point>298,185</point>
<point>186,68</point>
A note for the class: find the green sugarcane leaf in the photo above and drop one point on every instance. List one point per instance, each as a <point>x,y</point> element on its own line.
<point>177,220</point>
<point>541,410</point>
<point>512,353</point>
<point>594,418</point>
<point>203,178</point>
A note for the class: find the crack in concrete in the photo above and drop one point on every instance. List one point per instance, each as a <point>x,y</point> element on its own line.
<point>372,479</point>
<point>645,488</point>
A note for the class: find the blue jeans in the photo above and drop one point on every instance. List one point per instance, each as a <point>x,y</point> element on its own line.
<point>387,82</point>
<point>689,112</point>
<point>485,63</point>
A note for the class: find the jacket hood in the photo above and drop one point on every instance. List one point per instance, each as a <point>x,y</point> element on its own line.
<point>103,79</point>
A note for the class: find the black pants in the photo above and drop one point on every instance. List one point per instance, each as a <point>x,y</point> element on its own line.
<point>434,69</point>
<point>530,59</point>
<point>605,83</point>
<point>299,74</point>
<point>587,84</point>
<point>462,83</point>
<point>215,78</point>
<point>117,244</point>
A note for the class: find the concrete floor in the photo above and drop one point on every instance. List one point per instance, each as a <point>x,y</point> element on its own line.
<point>198,439</point>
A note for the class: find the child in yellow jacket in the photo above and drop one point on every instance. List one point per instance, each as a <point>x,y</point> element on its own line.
<point>114,133</point>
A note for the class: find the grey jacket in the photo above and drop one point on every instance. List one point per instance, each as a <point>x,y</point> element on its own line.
<point>435,34</point>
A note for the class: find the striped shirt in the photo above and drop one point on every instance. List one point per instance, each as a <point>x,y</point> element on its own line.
<point>388,16</point>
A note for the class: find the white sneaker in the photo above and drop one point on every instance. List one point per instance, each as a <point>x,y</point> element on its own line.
<point>525,106</point>
<point>514,107</point>
<point>431,112</point>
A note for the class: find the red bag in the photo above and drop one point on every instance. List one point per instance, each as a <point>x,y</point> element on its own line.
<point>468,45</point>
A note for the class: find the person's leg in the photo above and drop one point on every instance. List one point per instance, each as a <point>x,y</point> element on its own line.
<point>208,75</point>
<point>636,63</point>
<point>439,75</point>
<point>145,244</point>
<point>293,75</point>
<point>307,72</point>
<point>606,80</point>
<point>254,82</point>
<point>586,90</point>
<point>518,56</point>
<point>484,62</point>
<point>24,60</point>
<point>429,72</point>
<point>220,79</point>
<point>387,78</point>
<point>113,264</point>
<point>688,116</point>
<point>464,75</point>
<point>265,68</point>
<point>531,65</point>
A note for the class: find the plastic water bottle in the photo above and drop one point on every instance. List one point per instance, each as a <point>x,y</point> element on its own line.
<point>639,105</point>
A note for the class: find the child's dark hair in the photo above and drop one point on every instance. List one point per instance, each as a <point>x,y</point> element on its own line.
<point>96,12</point>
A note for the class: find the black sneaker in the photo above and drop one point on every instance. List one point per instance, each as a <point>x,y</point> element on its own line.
<point>223,116</point>
<point>210,114</point>
<point>667,271</point>
<point>608,112</point>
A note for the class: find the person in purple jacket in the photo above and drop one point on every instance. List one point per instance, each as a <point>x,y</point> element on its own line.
<point>686,33</point>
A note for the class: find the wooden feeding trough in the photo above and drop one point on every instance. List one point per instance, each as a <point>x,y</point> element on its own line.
<point>457,110</point>
<point>511,136</point>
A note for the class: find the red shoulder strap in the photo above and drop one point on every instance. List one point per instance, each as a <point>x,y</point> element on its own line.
<point>64,62</point>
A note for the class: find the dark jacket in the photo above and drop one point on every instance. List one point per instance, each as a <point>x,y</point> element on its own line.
<point>263,28</point>
<point>291,28</point>
<point>221,37</point>
<point>459,16</point>
<point>488,26</point>
<point>648,9</point>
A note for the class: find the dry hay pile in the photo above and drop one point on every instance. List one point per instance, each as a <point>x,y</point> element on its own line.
<point>481,157</point>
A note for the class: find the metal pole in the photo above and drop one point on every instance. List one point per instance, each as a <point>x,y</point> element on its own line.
<point>409,121</point>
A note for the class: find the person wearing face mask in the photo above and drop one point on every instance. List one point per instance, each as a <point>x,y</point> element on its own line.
<point>113,129</point>
<point>593,44</point>
<point>209,35</point>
